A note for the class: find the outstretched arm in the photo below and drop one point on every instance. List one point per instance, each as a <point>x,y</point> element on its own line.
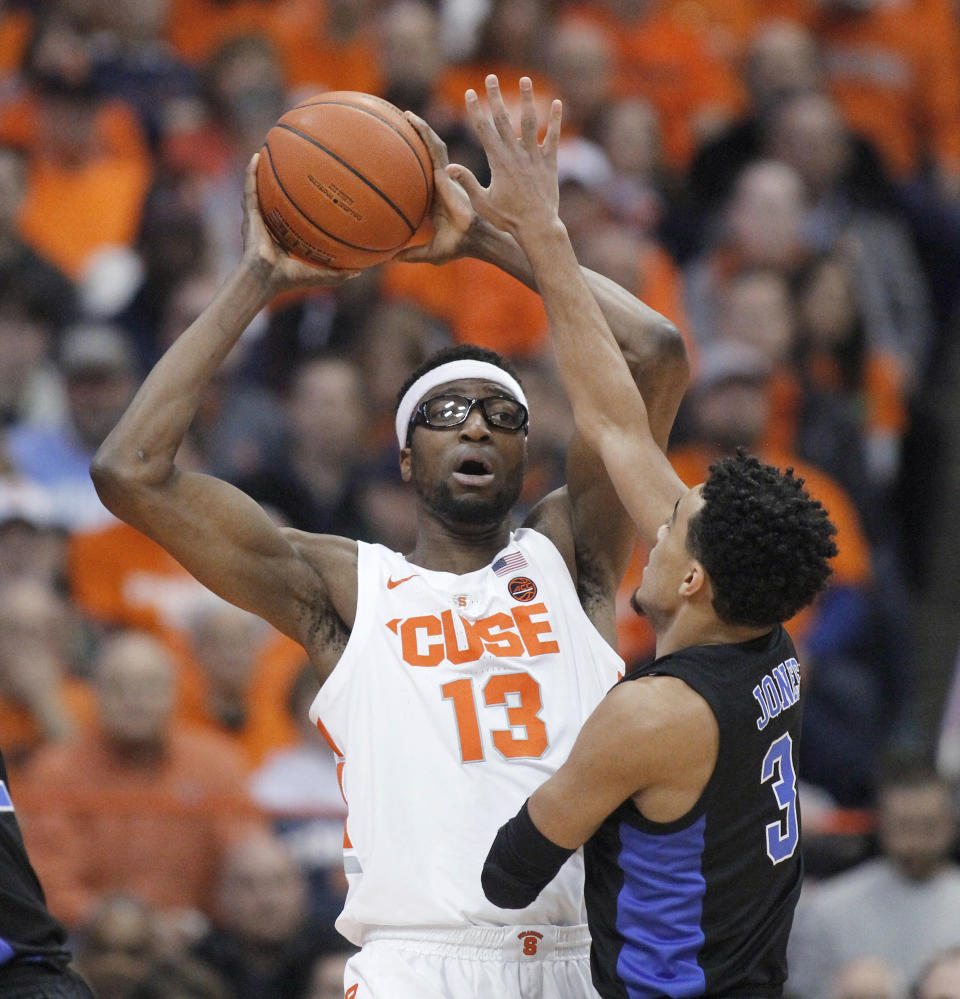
<point>213,529</point>
<point>610,413</point>
<point>650,343</point>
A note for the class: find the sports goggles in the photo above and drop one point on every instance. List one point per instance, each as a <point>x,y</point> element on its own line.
<point>445,411</point>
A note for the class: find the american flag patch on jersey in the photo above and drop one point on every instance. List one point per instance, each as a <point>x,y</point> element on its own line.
<point>509,563</point>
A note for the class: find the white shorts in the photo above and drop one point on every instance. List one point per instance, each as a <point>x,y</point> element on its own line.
<point>508,962</point>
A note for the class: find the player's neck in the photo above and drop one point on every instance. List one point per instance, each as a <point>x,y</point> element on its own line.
<point>687,629</point>
<point>457,548</point>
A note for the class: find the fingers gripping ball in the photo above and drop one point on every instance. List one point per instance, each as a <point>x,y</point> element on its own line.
<point>344,180</point>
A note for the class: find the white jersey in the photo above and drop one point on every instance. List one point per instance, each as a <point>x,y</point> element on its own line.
<point>455,698</point>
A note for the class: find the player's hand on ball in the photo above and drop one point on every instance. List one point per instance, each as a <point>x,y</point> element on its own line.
<point>452,215</point>
<point>259,247</point>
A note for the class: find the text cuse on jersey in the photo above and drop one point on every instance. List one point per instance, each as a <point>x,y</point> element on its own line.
<point>431,639</point>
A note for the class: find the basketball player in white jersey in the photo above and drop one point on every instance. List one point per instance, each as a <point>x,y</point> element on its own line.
<point>454,677</point>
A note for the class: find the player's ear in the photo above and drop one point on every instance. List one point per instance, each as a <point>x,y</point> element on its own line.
<point>406,464</point>
<point>694,580</point>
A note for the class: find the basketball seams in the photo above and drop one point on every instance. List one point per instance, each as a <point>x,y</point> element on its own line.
<point>385,121</point>
<point>338,188</point>
<point>307,218</point>
<point>373,187</point>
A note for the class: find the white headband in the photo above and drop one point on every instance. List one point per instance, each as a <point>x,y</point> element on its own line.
<point>452,371</point>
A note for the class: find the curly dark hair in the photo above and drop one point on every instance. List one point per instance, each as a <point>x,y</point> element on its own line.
<point>764,542</point>
<point>458,352</point>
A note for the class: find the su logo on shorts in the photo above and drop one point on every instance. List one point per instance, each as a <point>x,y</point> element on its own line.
<point>531,940</point>
<point>430,639</point>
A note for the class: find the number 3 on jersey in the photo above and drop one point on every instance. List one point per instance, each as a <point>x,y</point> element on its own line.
<point>782,836</point>
<point>524,714</point>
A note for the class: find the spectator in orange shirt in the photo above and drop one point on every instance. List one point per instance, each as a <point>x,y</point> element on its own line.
<point>89,163</point>
<point>328,45</point>
<point>238,678</point>
<point>662,59</point>
<point>509,43</point>
<point>146,805</point>
<point>323,44</point>
<point>895,70</point>
<point>45,292</point>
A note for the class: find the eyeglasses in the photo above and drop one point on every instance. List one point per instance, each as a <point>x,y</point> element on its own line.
<point>445,411</point>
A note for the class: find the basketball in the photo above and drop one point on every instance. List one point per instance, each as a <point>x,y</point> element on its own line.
<point>344,180</point>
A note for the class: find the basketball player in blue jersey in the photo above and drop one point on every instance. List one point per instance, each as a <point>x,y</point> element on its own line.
<point>682,785</point>
<point>33,954</point>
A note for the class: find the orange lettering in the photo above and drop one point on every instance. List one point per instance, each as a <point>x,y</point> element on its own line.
<point>455,654</point>
<point>523,715</point>
<point>410,641</point>
<point>505,642</point>
<point>468,727</point>
<point>530,630</point>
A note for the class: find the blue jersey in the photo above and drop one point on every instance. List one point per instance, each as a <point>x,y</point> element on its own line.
<point>703,906</point>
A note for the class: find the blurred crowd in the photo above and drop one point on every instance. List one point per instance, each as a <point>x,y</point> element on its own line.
<point>781,178</point>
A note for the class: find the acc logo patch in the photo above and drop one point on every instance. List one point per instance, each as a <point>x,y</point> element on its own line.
<point>522,588</point>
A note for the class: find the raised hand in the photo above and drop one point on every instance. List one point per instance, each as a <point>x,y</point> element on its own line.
<point>285,272</point>
<point>523,192</point>
<point>452,215</point>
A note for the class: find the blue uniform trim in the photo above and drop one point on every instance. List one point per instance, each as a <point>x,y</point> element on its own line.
<point>660,910</point>
<point>6,951</point>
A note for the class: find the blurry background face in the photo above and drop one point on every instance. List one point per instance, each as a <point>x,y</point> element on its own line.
<point>631,137</point>
<point>916,828</point>
<point>783,61</point>
<point>581,62</point>
<point>225,640</point>
<point>326,408</point>
<point>409,46</point>
<point>135,684</point>
<point>765,215</point>
<point>757,309</point>
<point>809,134</point>
<point>24,343</point>
<point>828,305</point>
<point>262,895</point>
<point>732,414</point>
<point>97,400</point>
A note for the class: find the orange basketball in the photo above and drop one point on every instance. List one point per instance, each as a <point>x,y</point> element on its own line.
<point>344,180</point>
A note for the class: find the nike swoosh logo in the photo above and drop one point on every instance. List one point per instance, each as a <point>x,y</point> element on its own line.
<point>391,583</point>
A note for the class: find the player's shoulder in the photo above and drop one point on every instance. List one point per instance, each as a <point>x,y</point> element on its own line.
<point>327,554</point>
<point>552,517</point>
<point>650,724</point>
<point>658,701</point>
